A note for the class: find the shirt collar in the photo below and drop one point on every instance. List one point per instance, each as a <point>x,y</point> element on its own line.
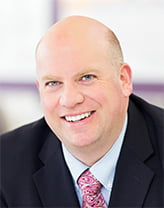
<point>75,166</point>
<point>106,176</point>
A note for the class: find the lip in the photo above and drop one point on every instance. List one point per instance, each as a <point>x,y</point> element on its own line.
<point>76,114</point>
<point>80,122</point>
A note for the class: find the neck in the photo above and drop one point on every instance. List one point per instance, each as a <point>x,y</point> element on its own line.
<point>89,155</point>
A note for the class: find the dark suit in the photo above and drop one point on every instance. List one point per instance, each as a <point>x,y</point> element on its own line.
<point>34,172</point>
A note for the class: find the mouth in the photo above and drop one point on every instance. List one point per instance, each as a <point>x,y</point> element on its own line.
<point>78,117</point>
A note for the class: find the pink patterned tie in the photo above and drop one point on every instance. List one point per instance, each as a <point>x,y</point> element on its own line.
<point>91,195</point>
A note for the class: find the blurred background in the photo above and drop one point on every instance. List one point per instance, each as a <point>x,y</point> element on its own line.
<point>137,23</point>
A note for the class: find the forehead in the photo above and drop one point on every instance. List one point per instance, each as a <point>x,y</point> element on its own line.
<point>71,60</point>
<point>72,51</point>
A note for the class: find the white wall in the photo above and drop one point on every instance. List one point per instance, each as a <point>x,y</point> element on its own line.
<point>22,22</point>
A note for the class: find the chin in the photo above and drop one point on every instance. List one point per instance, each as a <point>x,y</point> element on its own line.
<point>83,142</point>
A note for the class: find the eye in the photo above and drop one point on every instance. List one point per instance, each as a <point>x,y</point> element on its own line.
<point>88,77</point>
<point>53,83</point>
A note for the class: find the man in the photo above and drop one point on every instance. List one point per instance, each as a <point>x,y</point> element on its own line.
<point>92,122</point>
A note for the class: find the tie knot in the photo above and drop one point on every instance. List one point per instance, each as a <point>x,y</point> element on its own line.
<point>89,184</point>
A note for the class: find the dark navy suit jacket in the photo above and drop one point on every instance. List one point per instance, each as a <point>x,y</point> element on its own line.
<point>33,172</point>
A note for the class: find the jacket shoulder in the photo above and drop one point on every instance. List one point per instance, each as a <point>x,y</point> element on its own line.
<point>25,129</point>
<point>152,112</point>
<point>29,135</point>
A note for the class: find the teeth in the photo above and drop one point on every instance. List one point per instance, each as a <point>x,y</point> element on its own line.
<point>77,118</point>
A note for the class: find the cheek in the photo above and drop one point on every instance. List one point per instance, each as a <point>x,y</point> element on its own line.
<point>112,99</point>
<point>109,94</point>
<point>48,103</point>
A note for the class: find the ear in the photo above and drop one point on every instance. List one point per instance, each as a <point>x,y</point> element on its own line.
<point>37,84</point>
<point>125,77</point>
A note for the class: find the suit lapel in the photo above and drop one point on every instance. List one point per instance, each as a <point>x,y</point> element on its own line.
<point>133,177</point>
<point>53,180</point>
<point>131,182</point>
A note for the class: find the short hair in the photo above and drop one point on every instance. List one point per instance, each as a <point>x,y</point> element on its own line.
<point>115,49</point>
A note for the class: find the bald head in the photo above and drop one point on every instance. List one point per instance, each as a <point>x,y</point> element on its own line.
<point>82,31</point>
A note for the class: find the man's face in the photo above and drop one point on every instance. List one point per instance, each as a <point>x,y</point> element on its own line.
<point>83,100</point>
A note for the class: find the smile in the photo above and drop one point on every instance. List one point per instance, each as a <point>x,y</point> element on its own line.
<point>78,117</point>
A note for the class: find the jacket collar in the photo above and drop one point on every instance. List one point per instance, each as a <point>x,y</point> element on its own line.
<point>53,181</point>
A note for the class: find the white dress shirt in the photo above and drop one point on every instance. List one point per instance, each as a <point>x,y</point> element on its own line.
<point>103,170</point>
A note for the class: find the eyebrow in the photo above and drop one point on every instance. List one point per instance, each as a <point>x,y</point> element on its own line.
<point>50,77</point>
<point>88,70</point>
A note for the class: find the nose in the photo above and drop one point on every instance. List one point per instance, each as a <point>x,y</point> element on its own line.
<point>71,96</point>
